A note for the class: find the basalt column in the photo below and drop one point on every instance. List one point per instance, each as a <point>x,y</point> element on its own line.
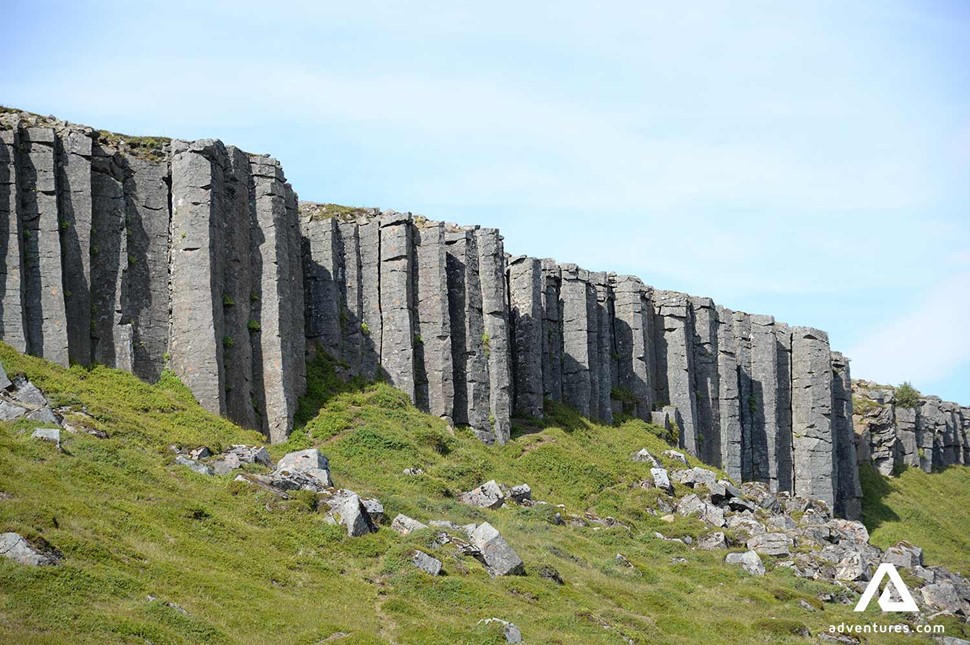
<point>434,368</point>
<point>73,155</point>
<point>675,313</point>
<point>602,348</point>
<point>368,233</point>
<point>552,336</point>
<point>747,403</point>
<point>398,328</point>
<point>706,379</point>
<point>46,316</point>
<point>765,444</point>
<point>321,266</point>
<point>848,489</point>
<point>634,343</point>
<point>197,331</point>
<point>525,309</point>
<point>351,307</point>
<point>491,258</point>
<point>12,324</point>
<point>729,414</point>
<point>472,402</point>
<point>813,449</point>
<point>278,320</point>
<point>783,441</point>
<point>576,361</point>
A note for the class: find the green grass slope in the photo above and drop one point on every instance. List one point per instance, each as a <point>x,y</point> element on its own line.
<point>930,510</point>
<point>249,568</point>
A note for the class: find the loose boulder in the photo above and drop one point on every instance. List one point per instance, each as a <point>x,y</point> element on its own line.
<point>749,561</point>
<point>405,525</point>
<point>48,434</point>
<point>770,544</point>
<point>16,548</point>
<point>643,456</point>
<point>347,509</point>
<point>426,563</point>
<point>521,494</point>
<point>509,630</point>
<point>488,495</point>
<point>194,465</point>
<point>309,463</point>
<point>499,557</point>
<point>661,480</point>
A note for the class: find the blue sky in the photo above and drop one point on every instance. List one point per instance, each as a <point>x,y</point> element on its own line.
<point>807,160</point>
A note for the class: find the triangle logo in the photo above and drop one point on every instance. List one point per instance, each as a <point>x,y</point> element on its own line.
<point>886,602</point>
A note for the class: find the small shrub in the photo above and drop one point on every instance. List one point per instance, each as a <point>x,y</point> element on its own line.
<point>253,326</point>
<point>228,342</point>
<point>907,396</point>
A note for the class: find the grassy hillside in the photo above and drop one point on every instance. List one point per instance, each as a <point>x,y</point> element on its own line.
<point>248,568</point>
<point>931,510</point>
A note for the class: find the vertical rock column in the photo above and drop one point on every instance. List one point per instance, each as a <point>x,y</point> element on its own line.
<point>729,414</point>
<point>368,233</point>
<point>321,265</point>
<point>706,379</point>
<point>603,348</point>
<point>279,350</point>
<point>73,153</point>
<point>907,450</point>
<point>111,339</point>
<point>491,258</point>
<point>12,323</point>
<point>783,436</point>
<point>633,330</point>
<point>43,276</point>
<point>434,369</point>
<point>525,308</point>
<point>398,328</point>
<point>747,403</point>
<point>197,333</point>
<point>813,448</point>
<point>471,378</point>
<point>349,295</point>
<point>848,489</point>
<point>678,335</point>
<point>552,339</point>
<point>145,288</point>
<point>238,291</point>
<point>764,401</point>
<point>576,360</point>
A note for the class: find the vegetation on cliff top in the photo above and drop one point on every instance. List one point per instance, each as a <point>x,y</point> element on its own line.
<point>156,553</point>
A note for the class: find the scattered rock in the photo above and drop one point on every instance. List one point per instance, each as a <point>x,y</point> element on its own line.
<point>16,548</point>
<point>499,557</point>
<point>309,464</point>
<point>694,476</point>
<point>945,597</point>
<point>426,563</point>
<point>375,509</point>
<point>200,453</point>
<point>643,456</point>
<point>413,471</point>
<point>521,493</point>
<point>712,541</point>
<point>673,454</point>
<point>694,505</point>
<point>749,561</point>
<point>852,567</point>
<point>44,415</point>
<point>26,392</point>
<point>904,555</point>
<point>488,495</point>
<point>770,544</point>
<point>48,434</point>
<point>661,480</point>
<point>807,606</point>
<point>192,464</point>
<point>622,560</point>
<point>510,631</point>
<point>10,411</point>
<point>405,525</point>
<point>240,454</point>
<point>347,509</point>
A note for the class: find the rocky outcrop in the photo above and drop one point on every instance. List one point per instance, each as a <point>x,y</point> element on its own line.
<point>919,432</point>
<point>150,254</point>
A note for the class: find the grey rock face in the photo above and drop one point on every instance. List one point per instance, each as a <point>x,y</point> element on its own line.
<point>426,563</point>
<point>434,366</point>
<point>525,308</point>
<point>396,298</point>
<point>770,544</point>
<point>13,326</point>
<point>848,488</point>
<point>707,379</point>
<point>405,525</point>
<point>488,495</point>
<point>729,413</point>
<point>633,334</point>
<point>16,548</point>
<point>491,258</point>
<point>813,450</point>
<point>678,358</point>
<point>577,302</point>
<point>749,561</point>
<point>499,557</point>
<point>552,331</point>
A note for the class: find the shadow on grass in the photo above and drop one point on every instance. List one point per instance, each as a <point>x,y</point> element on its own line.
<point>875,488</point>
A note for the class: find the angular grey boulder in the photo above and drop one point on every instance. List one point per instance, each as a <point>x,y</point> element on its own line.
<point>239,454</point>
<point>770,544</point>
<point>405,525</point>
<point>749,561</point>
<point>426,563</point>
<point>194,465</point>
<point>488,495</point>
<point>661,480</point>
<point>499,557</point>
<point>310,463</point>
<point>10,411</point>
<point>712,541</point>
<point>521,494</point>
<point>16,548</point>
<point>347,509</point>
<point>509,630</point>
<point>694,505</point>
<point>643,456</point>
<point>48,434</point>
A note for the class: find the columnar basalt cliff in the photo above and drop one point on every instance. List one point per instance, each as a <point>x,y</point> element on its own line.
<point>151,254</point>
<point>925,433</point>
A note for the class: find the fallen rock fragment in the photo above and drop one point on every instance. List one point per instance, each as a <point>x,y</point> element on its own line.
<point>16,548</point>
<point>749,561</point>
<point>499,557</point>
<point>52,435</point>
<point>426,563</point>
<point>405,525</point>
<point>509,630</point>
<point>194,465</point>
<point>488,495</point>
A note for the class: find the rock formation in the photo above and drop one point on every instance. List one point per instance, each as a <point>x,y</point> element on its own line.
<point>152,254</point>
<point>892,435</point>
